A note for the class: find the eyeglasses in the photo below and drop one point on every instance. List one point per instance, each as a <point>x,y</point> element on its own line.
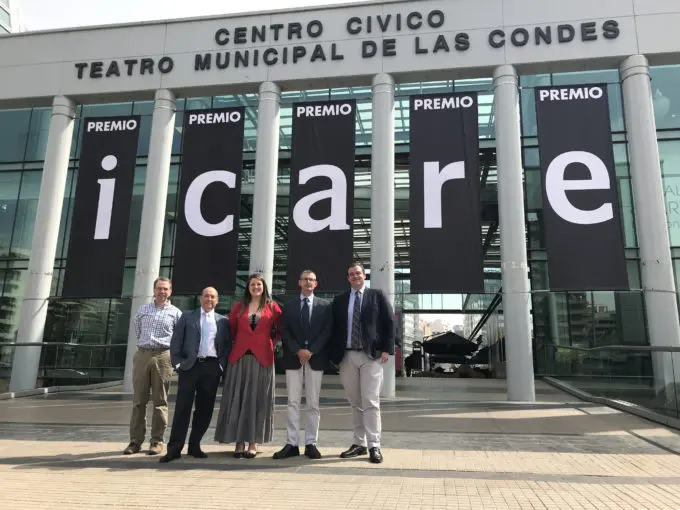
<point>307,279</point>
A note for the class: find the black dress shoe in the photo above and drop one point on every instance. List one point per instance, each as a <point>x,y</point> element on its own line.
<point>239,455</point>
<point>375,455</point>
<point>170,456</point>
<point>288,451</point>
<point>312,452</point>
<point>197,453</point>
<point>354,451</point>
<point>250,454</point>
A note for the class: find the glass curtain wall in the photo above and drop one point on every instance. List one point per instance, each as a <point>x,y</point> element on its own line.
<point>584,319</point>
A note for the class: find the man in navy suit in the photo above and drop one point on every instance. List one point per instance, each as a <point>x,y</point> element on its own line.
<point>198,351</point>
<point>363,339</point>
<point>306,329</point>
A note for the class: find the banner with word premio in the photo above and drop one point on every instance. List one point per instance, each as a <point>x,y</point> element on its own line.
<point>95,262</point>
<point>321,193</point>
<point>209,205</point>
<point>444,201</point>
<point>581,214</point>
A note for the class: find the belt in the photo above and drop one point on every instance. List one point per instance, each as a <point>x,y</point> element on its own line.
<point>203,359</point>
<point>353,349</point>
<point>159,349</point>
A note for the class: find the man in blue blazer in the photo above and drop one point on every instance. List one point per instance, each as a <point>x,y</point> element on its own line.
<point>363,339</point>
<point>306,329</point>
<point>198,351</point>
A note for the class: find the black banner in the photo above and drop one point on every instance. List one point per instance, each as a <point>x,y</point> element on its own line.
<point>581,214</point>
<point>101,211</point>
<point>444,204</point>
<point>209,201</point>
<point>321,193</point>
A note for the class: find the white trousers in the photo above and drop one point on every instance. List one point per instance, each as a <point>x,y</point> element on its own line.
<point>362,379</point>
<point>312,383</point>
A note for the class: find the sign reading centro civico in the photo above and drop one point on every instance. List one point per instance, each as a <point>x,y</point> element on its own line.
<point>292,42</point>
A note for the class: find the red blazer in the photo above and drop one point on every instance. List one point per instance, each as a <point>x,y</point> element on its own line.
<point>259,341</point>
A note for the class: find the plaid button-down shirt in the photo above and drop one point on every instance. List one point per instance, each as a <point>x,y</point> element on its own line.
<point>154,325</point>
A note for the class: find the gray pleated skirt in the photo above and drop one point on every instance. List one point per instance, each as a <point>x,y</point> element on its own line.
<point>247,407</point>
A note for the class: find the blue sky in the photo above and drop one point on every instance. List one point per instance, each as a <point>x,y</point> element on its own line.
<point>51,14</point>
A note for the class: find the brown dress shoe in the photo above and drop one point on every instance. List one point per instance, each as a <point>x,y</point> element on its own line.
<point>155,449</point>
<point>132,448</point>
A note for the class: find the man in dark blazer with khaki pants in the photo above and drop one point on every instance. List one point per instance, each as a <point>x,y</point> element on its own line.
<point>363,339</point>
<point>306,329</point>
<point>198,351</point>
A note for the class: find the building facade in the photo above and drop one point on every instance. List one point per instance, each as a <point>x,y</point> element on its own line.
<point>379,54</point>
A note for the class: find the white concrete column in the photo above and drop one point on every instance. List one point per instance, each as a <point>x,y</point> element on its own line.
<point>514,267</point>
<point>266,171</point>
<point>153,215</point>
<point>650,215</point>
<point>382,203</point>
<point>44,246</point>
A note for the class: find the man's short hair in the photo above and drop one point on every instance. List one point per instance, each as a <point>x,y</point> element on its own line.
<point>305,271</point>
<point>357,264</point>
<point>162,279</point>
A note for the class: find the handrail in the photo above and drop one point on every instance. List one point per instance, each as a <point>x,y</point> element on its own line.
<point>629,348</point>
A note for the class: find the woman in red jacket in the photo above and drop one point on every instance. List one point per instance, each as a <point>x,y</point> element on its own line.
<point>247,408</point>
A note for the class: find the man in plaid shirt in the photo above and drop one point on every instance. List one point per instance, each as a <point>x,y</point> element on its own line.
<point>151,367</point>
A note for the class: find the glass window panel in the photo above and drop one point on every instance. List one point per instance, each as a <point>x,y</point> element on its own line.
<point>170,223</point>
<point>669,152</point>
<point>10,302</point>
<point>24,223</point>
<point>586,77</point>
<point>615,107</point>
<point>136,212</point>
<point>9,194</point>
<point>37,134</point>
<point>66,209</point>
<point>143,108</point>
<point>528,112</point>
<point>14,128</point>
<point>4,18</point>
<point>177,136</point>
<point>144,135</point>
<point>666,96</point>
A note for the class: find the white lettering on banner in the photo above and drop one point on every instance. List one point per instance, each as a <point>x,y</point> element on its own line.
<point>337,194</point>
<point>192,204</point>
<point>107,187</point>
<point>570,94</point>
<point>433,182</point>
<point>214,118</point>
<point>443,103</point>
<point>325,110</point>
<point>556,187</point>
<point>111,125</point>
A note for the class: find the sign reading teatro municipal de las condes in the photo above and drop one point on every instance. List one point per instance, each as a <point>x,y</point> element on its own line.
<point>342,36</point>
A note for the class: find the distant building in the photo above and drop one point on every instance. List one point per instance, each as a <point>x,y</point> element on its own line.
<point>10,17</point>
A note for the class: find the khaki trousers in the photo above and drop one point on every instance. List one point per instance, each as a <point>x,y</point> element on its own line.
<point>362,379</point>
<point>151,374</point>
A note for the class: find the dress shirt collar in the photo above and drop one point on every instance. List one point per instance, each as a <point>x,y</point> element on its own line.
<point>310,297</point>
<point>210,314</point>
<point>362,290</point>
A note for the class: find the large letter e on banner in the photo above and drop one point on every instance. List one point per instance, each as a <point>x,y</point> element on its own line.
<point>556,187</point>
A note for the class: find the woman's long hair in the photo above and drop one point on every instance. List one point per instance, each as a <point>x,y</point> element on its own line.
<point>265,298</point>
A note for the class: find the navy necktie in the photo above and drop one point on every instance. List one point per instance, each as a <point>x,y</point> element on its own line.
<point>304,313</point>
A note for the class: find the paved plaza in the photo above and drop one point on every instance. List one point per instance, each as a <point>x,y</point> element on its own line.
<point>448,443</point>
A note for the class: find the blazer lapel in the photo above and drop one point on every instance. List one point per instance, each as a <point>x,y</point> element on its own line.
<point>365,300</point>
